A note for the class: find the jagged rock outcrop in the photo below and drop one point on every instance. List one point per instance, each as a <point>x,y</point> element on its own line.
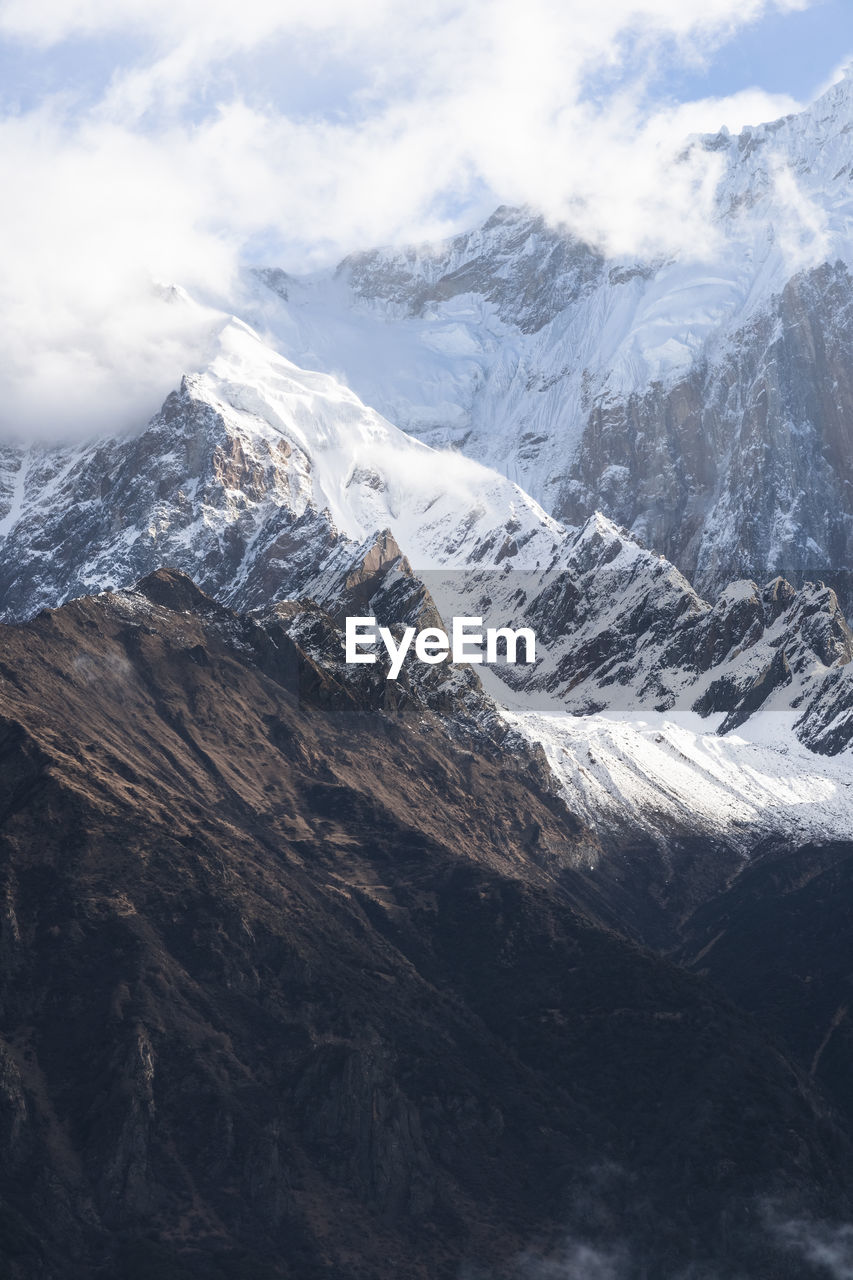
<point>256,478</point>
<point>621,630</point>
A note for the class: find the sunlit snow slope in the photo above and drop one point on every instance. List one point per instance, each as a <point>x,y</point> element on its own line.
<point>704,401</point>
<point>248,479</point>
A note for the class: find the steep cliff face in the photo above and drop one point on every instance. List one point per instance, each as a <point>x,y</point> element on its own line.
<point>704,401</point>
<point>743,467</point>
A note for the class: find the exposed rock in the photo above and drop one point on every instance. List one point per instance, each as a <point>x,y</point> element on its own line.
<point>704,403</point>
<point>826,722</point>
<point>744,465</point>
<point>273,1016</point>
<point>526,269</point>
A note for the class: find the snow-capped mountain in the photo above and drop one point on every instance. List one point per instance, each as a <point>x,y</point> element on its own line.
<point>705,401</point>
<point>267,483</point>
<point>621,630</point>
<point>252,476</point>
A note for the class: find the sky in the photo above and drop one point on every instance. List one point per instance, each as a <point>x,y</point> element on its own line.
<point>794,53</point>
<point>151,142</point>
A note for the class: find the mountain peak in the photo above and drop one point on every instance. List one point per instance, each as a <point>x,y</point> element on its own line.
<point>171,589</point>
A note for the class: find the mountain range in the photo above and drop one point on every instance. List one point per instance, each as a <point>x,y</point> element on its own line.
<point>264,482</point>
<point>509,971</point>
<point>703,401</point>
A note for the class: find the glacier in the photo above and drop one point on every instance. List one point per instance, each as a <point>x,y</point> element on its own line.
<point>676,396</point>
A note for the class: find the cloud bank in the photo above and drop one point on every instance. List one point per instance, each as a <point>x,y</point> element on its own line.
<point>295,132</point>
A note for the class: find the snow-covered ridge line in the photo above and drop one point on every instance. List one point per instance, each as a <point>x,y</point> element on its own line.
<point>265,482</point>
<point>252,475</point>
<point>704,402</point>
<point>670,774</point>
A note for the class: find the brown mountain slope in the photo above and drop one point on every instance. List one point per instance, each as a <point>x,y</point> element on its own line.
<point>293,987</point>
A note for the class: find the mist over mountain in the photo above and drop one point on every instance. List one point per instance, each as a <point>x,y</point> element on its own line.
<point>485,971</point>
<point>702,399</point>
<point>145,143</point>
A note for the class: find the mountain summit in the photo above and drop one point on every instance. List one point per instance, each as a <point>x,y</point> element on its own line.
<point>702,401</point>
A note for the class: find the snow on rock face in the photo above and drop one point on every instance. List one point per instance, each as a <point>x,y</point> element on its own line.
<point>525,269</point>
<point>266,483</point>
<point>249,479</point>
<point>742,466</point>
<point>705,403</point>
<point>826,722</point>
<point>344,459</point>
<point>666,775</point>
<point>620,631</point>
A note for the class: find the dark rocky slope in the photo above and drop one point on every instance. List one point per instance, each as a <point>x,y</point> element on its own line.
<point>295,984</point>
<point>779,939</point>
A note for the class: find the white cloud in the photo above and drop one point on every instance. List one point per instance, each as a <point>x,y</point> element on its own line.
<point>824,1244</point>
<point>450,107</point>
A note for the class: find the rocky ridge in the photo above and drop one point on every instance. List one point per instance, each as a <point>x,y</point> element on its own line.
<point>254,478</point>
<point>703,402</point>
<point>265,483</point>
